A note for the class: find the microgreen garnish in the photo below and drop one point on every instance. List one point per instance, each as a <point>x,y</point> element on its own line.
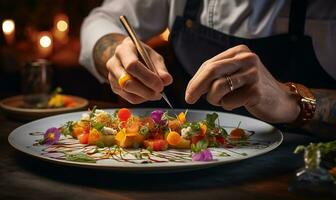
<point>210,120</point>
<point>165,116</point>
<point>93,111</point>
<point>98,126</point>
<point>100,144</point>
<point>79,157</point>
<point>200,145</point>
<point>144,130</point>
<point>67,128</point>
<point>150,149</point>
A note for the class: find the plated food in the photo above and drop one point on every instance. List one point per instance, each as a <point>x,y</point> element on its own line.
<point>158,131</point>
<point>152,140</point>
<point>14,107</point>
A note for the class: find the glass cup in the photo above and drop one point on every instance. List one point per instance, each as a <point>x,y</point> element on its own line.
<point>36,83</point>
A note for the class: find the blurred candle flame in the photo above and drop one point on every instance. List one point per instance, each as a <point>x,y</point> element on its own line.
<point>45,41</point>
<point>61,28</point>
<point>45,44</point>
<point>62,25</point>
<point>8,28</point>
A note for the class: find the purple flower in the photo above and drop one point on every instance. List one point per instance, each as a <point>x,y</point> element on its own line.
<point>204,155</point>
<point>51,136</point>
<point>156,115</point>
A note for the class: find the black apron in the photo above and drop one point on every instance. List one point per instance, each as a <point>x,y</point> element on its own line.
<point>289,57</point>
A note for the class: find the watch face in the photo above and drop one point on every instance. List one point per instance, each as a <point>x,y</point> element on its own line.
<point>304,92</point>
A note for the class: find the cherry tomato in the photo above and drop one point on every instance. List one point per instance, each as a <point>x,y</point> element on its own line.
<point>237,134</point>
<point>124,114</point>
<point>156,144</point>
<point>83,138</point>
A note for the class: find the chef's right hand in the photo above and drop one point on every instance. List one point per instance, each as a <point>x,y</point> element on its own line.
<point>145,85</point>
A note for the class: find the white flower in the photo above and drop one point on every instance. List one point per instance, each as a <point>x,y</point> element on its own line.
<point>109,131</point>
<point>185,132</point>
<point>85,116</point>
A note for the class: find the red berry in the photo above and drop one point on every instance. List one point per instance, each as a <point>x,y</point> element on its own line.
<point>124,114</point>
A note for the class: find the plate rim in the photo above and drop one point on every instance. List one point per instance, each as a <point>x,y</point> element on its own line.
<point>144,168</point>
<point>37,111</point>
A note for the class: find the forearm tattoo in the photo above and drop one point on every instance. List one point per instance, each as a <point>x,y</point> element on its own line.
<point>324,121</point>
<point>104,50</point>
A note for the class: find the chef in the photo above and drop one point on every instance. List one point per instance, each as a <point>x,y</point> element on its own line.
<point>267,55</point>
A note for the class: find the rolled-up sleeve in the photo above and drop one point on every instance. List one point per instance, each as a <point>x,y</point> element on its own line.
<point>148,18</point>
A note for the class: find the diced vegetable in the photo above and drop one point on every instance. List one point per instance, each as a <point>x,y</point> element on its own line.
<point>174,125</point>
<point>203,129</point>
<point>94,136</point>
<point>83,138</point>
<point>173,138</point>
<point>181,117</point>
<point>156,144</point>
<point>183,144</point>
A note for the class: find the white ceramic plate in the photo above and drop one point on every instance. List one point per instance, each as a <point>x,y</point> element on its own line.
<point>264,139</point>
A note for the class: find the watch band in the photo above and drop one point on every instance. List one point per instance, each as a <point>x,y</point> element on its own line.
<point>306,101</point>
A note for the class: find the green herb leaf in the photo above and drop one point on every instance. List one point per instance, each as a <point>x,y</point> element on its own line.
<point>299,149</point>
<point>150,149</point>
<point>200,146</point>
<point>100,144</point>
<point>79,157</point>
<point>166,117</point>
<point>67,128</point>
<point>138,155</point>
<point>210,120</point>
<point>223,154</point>
<point>144,130</point>
<point>115,113</point>
<point>98,126</point>
<point>93,111</point>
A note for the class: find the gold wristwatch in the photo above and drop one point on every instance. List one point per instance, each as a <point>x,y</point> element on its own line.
<point>306,101</point>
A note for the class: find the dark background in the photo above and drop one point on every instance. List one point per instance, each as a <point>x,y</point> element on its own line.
<point>67,73</point>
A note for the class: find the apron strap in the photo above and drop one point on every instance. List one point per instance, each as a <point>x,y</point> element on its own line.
<point>297,17</point>
<point>191,9</point>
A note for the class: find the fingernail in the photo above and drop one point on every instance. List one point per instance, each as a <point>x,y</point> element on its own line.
<point>188,98</point>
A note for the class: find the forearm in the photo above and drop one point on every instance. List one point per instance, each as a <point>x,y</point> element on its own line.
<point>104,50</point>
<point>324,121</point>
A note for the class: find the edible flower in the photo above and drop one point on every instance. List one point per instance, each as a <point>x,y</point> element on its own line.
<point>200,151</point>
<point>51,136</point>
<point>204,155</point>
<point>156,115</point>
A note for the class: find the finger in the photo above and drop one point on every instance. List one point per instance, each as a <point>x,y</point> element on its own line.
<point>114,67</point>
<point>198,86</point>
<point>229,53</point>
<point>133,85</point>
<point>237,98</point>
<point>160,66</point>
<point>128,57</point>
<point>221,87</point>
<point>132,98</point>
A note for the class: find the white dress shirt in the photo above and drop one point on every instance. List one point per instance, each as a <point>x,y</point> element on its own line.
<point>243,18</point>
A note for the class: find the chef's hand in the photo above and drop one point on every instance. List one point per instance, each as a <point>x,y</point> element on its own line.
<point>145,85</point>
<point>253,86</point>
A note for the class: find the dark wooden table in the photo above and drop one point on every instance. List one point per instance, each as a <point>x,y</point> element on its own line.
<point>262,177</point>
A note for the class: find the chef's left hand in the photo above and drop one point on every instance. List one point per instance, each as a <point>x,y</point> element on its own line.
<point>253,86</point>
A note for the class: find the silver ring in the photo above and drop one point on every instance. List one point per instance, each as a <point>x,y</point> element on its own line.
<point>229,81</point>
